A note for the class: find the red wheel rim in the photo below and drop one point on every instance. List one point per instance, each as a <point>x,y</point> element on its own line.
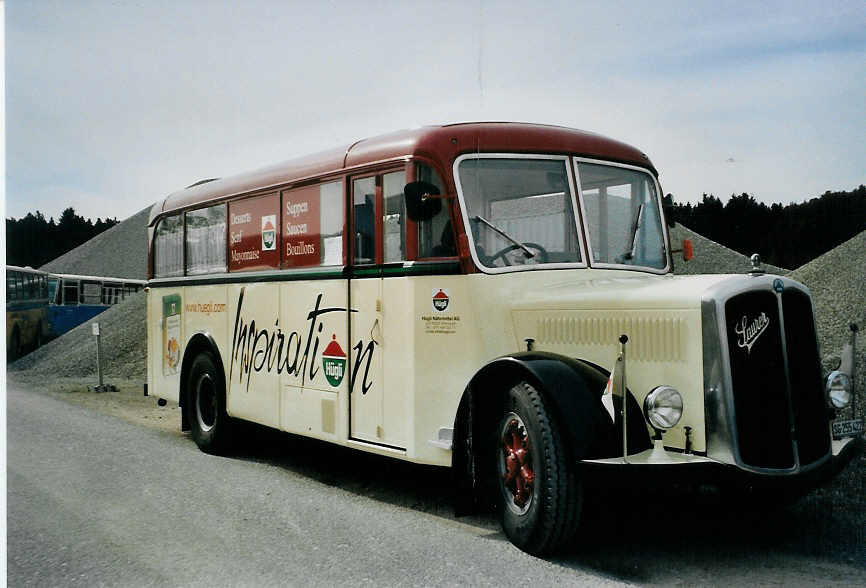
<point>516,464</point>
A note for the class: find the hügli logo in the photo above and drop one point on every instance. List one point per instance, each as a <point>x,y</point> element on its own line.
<point>748,332</point>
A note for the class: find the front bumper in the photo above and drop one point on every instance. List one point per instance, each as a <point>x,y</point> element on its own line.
<point>660,468</point>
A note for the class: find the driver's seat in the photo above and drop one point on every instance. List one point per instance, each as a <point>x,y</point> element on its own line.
<point>446,246</point>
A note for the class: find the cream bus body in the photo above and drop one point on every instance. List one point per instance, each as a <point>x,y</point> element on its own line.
<point>494,297</point>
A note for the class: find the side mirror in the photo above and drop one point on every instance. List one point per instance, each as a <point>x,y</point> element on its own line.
<point>670,211</point>
<point>421,201</point>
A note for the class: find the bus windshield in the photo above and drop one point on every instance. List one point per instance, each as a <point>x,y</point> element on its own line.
<point>520,210</point>
<point>622,216</point>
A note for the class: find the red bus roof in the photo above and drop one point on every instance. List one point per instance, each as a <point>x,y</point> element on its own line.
<point>442,143</point>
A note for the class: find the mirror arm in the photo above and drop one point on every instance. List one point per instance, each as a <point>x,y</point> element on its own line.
<point>428,196</point>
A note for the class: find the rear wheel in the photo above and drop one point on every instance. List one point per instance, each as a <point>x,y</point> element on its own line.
<point>37,340</point>
<point>539,491</point>
<point>205,406</point>
<point>14,350</point>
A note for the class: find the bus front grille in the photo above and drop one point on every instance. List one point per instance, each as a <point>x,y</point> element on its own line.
<point>779,415</point>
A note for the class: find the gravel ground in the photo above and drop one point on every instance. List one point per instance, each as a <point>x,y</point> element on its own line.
<point>837,281</point>
<point>119,252</point>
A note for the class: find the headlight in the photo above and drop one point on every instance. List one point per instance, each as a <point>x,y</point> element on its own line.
<point>663,407</point>
<point>839,389</point>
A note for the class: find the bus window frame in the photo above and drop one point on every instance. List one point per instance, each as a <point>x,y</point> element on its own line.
<point>378,249</point>
<point>409,169</point>
<point>225,240</point>
<point>346,176</point>
<point>341,179</point>
<point>665,236</point>
<point>449,201</point>
<point>577,211</point>
<point>181,214</point>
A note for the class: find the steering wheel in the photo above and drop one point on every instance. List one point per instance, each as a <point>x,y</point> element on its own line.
<point>540,255</point>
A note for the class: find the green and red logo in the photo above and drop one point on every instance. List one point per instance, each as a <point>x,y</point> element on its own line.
<point>334,362</point>
<point>269,232</point>
<point>440,300</point>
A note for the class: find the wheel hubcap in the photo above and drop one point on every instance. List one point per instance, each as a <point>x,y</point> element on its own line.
<point>516,464</point>
<point>205,402</point>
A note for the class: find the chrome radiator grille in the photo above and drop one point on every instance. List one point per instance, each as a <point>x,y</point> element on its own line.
<point>776,402</point>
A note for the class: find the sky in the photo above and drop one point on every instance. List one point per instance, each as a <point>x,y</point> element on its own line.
<point>111,105</point>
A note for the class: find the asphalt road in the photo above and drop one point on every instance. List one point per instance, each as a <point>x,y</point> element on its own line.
<point>95,500</point>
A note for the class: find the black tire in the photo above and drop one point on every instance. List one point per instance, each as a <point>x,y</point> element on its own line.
<point>14,350</point>
<point>37,340</point>
<point>205,405</point>
<point>540,495</point>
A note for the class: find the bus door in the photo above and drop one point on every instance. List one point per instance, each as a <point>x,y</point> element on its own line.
<point>380,314</point>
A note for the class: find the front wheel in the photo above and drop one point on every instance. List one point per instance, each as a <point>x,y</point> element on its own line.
<point>539,491</point>
<point>205,406</point>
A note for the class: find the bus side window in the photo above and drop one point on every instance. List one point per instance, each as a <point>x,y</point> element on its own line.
<point>205,240</point>
<point>12,285</point>
<point>333,207</point>
<point>70,293</point>
<point>435,235</point>
<point>91,293</point>
<point>167,248</point>
<point>364,207</point>
<point>394,217</point>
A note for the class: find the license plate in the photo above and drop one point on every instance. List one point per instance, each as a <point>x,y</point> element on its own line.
<point>847,428</point>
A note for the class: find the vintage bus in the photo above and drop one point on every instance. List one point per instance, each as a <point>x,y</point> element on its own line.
<point>26,310</point>
<point>76,299</point>
<point>497,298</point>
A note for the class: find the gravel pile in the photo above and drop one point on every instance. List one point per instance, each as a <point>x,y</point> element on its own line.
<point>711,257</point>
<point>123,335</point>
<point>119,252</point>
<point>837,282</point>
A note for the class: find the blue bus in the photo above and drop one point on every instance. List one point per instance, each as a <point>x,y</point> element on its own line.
<point>76,299</point>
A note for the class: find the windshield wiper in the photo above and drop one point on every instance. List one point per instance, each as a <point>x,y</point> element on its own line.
<point>633,236</point>
<point>478,218</point>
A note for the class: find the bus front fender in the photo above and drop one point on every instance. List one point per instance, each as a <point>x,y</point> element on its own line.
<point>572,389</point>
